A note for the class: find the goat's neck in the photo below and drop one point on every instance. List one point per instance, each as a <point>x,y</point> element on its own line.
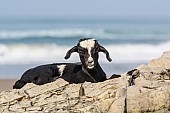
<point>93,73</point>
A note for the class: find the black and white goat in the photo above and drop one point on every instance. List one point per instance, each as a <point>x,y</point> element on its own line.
<point>88,70</point>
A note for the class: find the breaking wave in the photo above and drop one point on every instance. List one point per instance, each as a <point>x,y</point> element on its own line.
<point>24,53</point>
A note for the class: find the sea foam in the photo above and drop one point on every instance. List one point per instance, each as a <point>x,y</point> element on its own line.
<point>122,53</point>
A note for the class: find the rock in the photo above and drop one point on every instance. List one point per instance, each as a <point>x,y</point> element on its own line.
<point>163,62</point>
<point>150,92</point>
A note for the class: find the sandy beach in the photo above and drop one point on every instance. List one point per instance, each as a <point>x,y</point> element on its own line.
<point>6,84</point>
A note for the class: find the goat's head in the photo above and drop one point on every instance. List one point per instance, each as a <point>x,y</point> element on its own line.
<point>88,50</point>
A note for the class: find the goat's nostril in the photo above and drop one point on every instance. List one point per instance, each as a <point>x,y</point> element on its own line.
<point>91,61</point>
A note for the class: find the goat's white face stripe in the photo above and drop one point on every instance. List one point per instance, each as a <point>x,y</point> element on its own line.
<point>61,69</point>
<point>88,44</point>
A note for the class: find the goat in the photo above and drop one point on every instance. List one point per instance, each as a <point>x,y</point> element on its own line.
<point>87,70</point>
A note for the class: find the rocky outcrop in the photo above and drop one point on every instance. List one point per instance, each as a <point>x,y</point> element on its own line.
<point>59,96</point>
<point>149,91</point>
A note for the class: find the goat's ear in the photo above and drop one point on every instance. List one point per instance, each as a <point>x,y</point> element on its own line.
<point>102,49</point>
<point>69,52</point>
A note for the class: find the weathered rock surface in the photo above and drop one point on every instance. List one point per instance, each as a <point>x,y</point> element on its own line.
<point>150,93</point>
<point>59,96</point>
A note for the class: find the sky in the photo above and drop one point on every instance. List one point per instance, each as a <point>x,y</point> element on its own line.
<point>85,8</point>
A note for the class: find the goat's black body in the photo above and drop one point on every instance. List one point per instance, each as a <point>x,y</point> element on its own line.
<point>72,73</point>
<point>88,70</point>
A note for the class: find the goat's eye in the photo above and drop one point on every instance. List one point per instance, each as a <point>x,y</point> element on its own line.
<point>96,50</point>
<point>82,51</point>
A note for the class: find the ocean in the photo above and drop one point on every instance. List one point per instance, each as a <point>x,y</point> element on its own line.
<point>29,42</point>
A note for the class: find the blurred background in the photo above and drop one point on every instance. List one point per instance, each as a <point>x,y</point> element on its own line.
<point>36,32</point>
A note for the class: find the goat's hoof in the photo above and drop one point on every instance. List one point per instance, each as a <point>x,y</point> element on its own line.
<point>134,72</point>
<point>115,76</point>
